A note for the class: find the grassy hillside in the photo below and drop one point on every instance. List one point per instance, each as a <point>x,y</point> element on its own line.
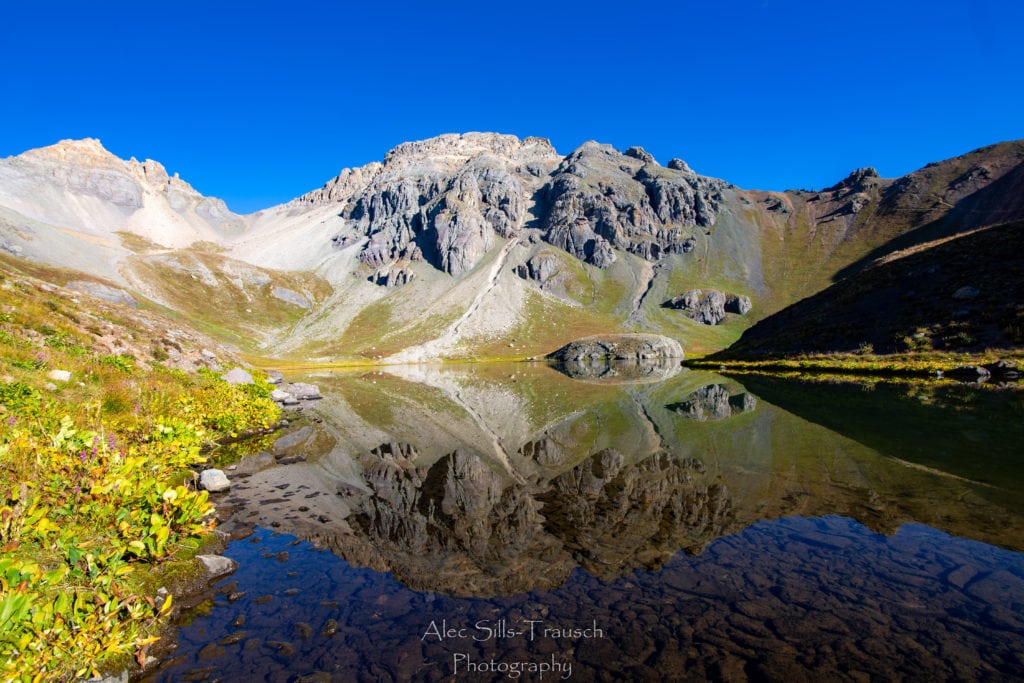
<point>959,294</point>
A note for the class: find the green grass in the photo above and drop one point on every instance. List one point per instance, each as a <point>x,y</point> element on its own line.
<point>921,364</point>
<point>240,315</point>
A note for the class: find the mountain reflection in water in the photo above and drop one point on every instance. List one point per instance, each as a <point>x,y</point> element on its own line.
<point>663,510</point>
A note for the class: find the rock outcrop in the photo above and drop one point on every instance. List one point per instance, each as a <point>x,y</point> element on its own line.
<point>543,268</point>
<point>620,347</point>
<point>450,197</point>
<point>446,198</point>
<point>709,306</point>
<point>600,198</point>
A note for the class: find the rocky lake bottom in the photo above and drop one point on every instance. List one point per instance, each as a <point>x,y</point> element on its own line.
<point>512,523</point>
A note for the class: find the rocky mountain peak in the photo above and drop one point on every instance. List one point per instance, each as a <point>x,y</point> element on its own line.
<point>451,150</point>
<point>858,181</point>
<point>87,152</point>
<point>641,154</point>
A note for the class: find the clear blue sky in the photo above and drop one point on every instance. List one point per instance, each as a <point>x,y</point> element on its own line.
<point>258,102</point>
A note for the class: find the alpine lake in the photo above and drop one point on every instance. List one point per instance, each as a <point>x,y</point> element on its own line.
<point>491,522</point>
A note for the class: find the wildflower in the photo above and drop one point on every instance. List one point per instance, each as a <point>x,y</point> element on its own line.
<point>10,421</point>
<point>81,456</point>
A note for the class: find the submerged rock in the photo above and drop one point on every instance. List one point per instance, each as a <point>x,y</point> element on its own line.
<point>303,391</point>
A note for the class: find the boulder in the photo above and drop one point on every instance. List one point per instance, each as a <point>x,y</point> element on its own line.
<point>217,566</point>
<point>703,306</point>
<point>627,347</point>
<point>274,377</point>
<point>280,395</point>
<point>237,376</point>
<point>709,306</point>
<point>59,375</point>
<point>214,480</point>
<point>539,268</point>
<point>966,292</point>
<point>735,303</point>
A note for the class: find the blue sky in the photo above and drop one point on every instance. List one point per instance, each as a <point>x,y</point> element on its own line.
<point>258,102</point>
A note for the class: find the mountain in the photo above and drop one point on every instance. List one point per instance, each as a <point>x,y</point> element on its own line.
<point>483,244</point>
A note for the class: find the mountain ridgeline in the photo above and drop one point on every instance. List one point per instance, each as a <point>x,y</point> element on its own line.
<point>485,245</point>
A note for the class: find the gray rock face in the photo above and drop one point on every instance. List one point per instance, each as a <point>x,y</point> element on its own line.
<point>709,306</point>
<point>447,198</point>
<point>237,376</point>
<point>214,480</point>
<point>113,295</point>
<point>600,197</point>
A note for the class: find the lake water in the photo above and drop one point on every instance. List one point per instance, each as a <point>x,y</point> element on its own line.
<point>510,522</point>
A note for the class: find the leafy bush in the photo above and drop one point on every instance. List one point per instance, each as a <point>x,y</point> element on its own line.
<point>88,497</point>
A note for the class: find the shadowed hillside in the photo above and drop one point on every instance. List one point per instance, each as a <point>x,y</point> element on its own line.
<point>964,293</point>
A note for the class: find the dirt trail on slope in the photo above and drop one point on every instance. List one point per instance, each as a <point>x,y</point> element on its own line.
<point>645,282</point>
<point>447,340</point>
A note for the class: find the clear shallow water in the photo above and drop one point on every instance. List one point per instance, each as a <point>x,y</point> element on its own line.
<point>682,528</point>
